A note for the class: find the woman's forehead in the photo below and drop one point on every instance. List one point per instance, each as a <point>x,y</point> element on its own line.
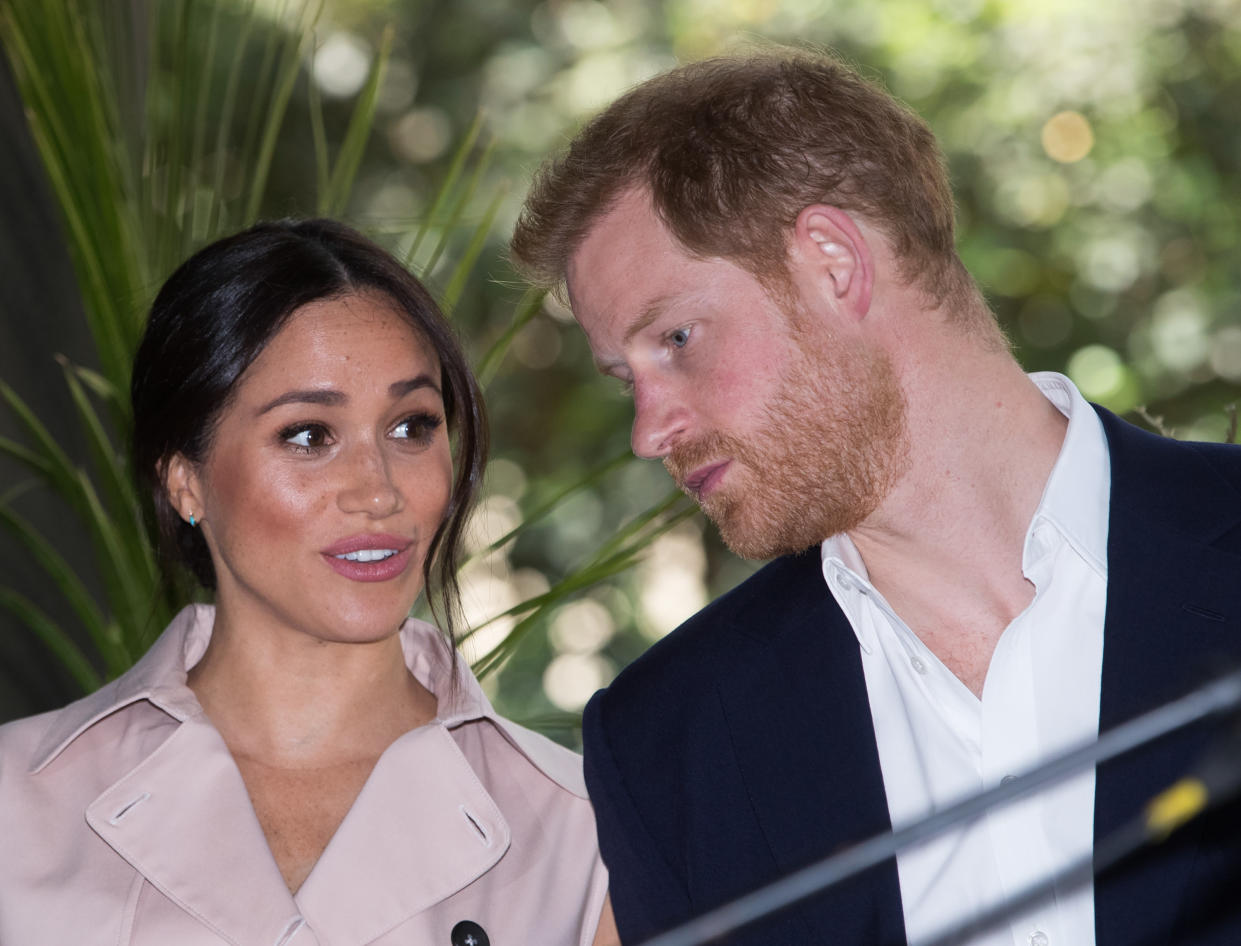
<point>346,336</point>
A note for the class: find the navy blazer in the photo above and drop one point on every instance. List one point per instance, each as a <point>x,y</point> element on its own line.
<point>741,746</point>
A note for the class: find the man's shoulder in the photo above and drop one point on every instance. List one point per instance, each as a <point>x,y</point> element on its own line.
<point>1130,443</point>
<point>709,647</point>
<point>1184,486</point>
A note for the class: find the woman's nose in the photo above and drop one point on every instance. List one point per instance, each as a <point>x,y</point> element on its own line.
<point>368,486</point>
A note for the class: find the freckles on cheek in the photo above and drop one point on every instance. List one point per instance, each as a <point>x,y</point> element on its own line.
<point>261,504</point>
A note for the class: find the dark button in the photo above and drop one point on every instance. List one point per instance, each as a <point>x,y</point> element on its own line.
<point>469,933</point>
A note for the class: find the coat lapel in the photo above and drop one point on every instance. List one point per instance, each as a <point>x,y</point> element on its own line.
<point>1173,614</point>
<point>183,819</point>
<point>422,829</point>
<point>813,778</point>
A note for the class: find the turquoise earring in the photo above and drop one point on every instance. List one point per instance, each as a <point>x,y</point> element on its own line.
<point>192,522</point>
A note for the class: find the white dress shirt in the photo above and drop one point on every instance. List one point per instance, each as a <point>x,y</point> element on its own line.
<point>939,743</point>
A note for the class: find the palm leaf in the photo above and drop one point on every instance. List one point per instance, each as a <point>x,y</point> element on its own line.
<point>447,188</point>
<point>526,310</point>
<point>461,200</point>
<point>122,496</point>
<point>617,556</point>
<point>356,135</point>
<point>456,283</point>
<point>61,644</point>
<point>54,464</point>
<point>70,586</point>
<point>553,502</point>
<point>285,78</point>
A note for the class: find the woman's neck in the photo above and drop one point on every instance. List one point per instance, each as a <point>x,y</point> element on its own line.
<point>290,700</point>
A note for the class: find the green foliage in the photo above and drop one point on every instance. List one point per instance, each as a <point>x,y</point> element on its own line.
<point>141,183</point>
<point>134,196</point>
<point>1093,150</point>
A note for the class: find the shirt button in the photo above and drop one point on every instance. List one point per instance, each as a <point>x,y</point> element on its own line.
<point>844,582</point>
<point>917,664</point>
<point>1043,942</point>
<point>1039,938</point>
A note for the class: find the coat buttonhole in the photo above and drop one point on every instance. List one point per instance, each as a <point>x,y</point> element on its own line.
<point>128,807</point>
<point>478,826</point>
<point>290,930</point>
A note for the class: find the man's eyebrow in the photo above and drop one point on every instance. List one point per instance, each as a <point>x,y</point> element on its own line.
<point>653,310</point>
<point>650,312</point>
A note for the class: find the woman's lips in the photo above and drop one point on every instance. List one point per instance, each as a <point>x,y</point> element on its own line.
<point>364,565</point>
<point>704,480</point>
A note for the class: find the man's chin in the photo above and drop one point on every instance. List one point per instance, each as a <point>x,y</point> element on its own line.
<point>752,532</point>
<point>758,543</point>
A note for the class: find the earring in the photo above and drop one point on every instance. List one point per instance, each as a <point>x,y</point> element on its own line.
<point>192,522</point>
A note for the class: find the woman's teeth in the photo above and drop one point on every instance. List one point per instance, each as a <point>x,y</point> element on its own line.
<point>368,555</point>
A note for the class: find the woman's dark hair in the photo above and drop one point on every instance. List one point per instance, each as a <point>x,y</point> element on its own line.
<point>215,315</point>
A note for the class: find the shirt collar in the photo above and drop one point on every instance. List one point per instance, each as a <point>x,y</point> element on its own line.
<point>1074,502</point>
<point>159,677</point>
<point>1075,499</point>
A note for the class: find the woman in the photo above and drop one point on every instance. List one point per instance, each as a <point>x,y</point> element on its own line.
<point>299,764</point>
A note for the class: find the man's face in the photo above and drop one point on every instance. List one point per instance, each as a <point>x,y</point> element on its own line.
<point>783,431</point>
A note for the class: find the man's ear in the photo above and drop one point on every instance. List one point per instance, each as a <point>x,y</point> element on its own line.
<point>835,254</point>
<point>184,488</point>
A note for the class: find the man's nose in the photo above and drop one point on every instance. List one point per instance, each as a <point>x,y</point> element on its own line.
<point>660,419</point>
<point>368,486</point>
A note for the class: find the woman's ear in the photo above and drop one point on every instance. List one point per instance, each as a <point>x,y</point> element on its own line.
<point>835,253</point>
<point>184,488</point>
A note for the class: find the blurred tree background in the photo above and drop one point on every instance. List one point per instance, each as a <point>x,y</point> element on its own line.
<point>1092,146</point>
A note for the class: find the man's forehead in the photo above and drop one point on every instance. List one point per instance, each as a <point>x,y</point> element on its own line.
<point>618,251</point>
<point>630,215</point>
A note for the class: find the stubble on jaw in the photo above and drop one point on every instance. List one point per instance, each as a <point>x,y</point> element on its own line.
<point>832,442</point>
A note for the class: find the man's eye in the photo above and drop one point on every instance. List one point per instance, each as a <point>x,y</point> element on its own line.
<point>679,338</point>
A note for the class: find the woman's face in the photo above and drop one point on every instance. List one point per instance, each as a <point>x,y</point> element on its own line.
<point>327,476</point>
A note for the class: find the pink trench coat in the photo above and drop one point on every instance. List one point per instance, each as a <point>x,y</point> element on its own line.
<point>123,820</point>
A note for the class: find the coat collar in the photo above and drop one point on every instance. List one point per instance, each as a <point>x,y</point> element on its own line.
<point>422,829</point>
<point>159,677</point>
<point>182,818</point>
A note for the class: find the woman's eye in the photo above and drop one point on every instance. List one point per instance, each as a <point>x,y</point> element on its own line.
<point>418,427</point>
<point>306,437</point>
<point>679,338</point>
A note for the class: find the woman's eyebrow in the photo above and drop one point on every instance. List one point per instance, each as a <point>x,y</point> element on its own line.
<point>325,396</point>
<point>329,397</point>
<point>399,389</point>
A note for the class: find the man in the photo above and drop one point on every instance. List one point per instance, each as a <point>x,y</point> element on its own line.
<point>975,570</point>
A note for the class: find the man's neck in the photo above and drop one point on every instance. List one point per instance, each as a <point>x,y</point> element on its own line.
<point>945,547</point>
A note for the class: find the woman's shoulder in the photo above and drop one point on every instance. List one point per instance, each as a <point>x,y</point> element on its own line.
<point>465,710</point>
<point>19,740</point>
<point>113,722</point>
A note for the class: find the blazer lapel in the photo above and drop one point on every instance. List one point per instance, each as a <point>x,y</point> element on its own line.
<point>801,726</point>
<point>1173,612</point>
